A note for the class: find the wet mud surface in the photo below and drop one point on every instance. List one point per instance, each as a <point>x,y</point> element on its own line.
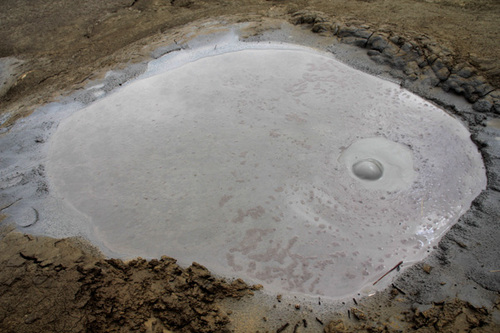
<point>446,51</point>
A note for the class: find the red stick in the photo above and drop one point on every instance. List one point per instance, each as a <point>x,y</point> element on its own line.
<point>399,264</point>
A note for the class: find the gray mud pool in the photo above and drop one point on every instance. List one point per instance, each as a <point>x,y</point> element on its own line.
<point>275,163</point>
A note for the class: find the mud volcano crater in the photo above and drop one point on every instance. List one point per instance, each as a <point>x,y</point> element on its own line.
<point>277,164</point>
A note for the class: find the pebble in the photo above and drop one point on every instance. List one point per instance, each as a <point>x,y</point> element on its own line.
<point>482,105</point>
<point>377,42</point>
<point>358,314</point>
<point>427,268</point>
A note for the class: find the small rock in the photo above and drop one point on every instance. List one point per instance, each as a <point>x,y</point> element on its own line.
<point>439,64</point>
<point>484,89</point>
<point>335,326</point>
<point>30,318</point>
<point>307,17</point>
<point>396,39</point>
<point>428,77</point>
<point>377,42</point>
<point>442,73</point>
<point>431,58</point>
<point>496,108</point>
<point>422,62</point>
<point>322,27</point>
<point>407,47</point>
<point>297,306</point>
<point>411,68</point>
<point>358,314</point>
<point>454,84</point>
<point>470,93</point>
<point>434,49</point>
<point>427,268</point>
<point>360,42</point>
<point>373,53</point>
<point>346,31</point>
<point>482,105</point>
<point>398,63</point>
<point>391,50</point>
<point>465,72</point>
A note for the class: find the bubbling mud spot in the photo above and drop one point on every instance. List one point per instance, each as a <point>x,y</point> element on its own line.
<point>368,169</point>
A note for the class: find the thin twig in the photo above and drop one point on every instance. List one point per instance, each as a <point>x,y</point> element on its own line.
<point>282,328</point>
<point>399,264</point>
<point>398,289</point>
<point>9,205</point>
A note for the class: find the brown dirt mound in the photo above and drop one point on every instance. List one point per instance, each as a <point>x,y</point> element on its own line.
<point>50,285</point>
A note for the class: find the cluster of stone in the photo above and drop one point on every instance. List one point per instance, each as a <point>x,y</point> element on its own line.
<point>419,58</point>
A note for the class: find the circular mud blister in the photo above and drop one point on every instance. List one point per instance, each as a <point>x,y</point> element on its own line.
<point>368,169</point>
<point>379,163</point>
<point>284,167</point>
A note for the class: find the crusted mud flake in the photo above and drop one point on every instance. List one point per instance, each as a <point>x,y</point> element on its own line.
<point>107,295</point>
